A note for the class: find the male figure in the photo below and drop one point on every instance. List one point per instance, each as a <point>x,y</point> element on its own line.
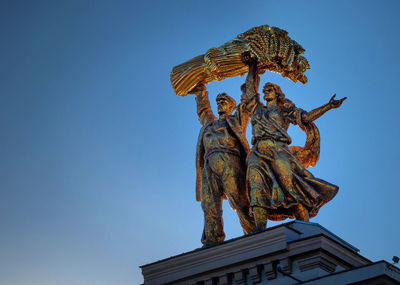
<point>221,162</point>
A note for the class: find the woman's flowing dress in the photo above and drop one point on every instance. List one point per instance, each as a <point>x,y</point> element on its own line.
<point>276,179</point>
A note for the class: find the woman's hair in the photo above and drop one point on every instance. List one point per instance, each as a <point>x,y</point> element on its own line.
<point>282,100</point>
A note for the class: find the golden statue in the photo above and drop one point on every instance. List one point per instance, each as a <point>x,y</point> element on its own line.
<point>279,185</point>
<point>221,154</point>
<point>269,181</point>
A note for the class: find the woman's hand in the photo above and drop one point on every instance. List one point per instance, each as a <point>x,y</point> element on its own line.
<point>247,59</point>
<point>336,103</point>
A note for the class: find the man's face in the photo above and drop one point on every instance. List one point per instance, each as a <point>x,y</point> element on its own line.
<point>224,107</point>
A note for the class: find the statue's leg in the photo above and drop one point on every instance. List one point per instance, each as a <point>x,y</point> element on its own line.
<point>293,194</point>
<point>260,217</point>
<point>233,182</point>
<point>259,197</point>
<point>212,207</point>
<point>282,168</point>
<point>301,213</point>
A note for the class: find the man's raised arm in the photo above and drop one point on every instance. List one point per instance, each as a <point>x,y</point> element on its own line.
<point>203,105</point>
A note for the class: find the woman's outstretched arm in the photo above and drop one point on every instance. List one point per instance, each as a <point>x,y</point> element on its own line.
<point>307,117</point>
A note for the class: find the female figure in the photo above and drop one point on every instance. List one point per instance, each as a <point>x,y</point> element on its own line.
<point>279,185</point>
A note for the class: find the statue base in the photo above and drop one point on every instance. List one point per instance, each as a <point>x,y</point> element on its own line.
<point>291,253</point>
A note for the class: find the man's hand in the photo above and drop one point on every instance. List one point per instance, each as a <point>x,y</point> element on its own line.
<point>336,103</point>
<point>200,88</point>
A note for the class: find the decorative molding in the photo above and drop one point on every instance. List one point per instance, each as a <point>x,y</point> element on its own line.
<point>286,265</point>
<point>327,244</point>
<point>255,274</point>
<point>255,255</point>
<point>270,271</point>
<point>203,260</point>
<point>239,277</point>
<point>317,261</point>
<point>224,280</point>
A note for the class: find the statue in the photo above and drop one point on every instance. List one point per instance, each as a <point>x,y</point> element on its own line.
<point>279,185</point>
<point>273,172</point>
<point>221,154</point>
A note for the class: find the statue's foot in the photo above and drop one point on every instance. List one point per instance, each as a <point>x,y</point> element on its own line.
<point>209,244</point>
<point>258,230</point>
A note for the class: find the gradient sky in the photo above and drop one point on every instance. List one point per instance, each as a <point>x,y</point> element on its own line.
<point>97,153</point>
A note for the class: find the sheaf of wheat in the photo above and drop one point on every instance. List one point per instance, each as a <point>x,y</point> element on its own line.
<point>272,47</point>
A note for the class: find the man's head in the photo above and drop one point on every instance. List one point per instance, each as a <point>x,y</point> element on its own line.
<point>226,104</point>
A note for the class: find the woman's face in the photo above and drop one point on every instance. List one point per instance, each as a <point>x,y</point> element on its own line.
<point>269,92</point>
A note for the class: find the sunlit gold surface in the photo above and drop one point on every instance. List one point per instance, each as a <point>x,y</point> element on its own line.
<point>270,46</point>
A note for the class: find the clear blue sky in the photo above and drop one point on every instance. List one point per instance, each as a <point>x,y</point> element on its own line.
<point>97,152</point>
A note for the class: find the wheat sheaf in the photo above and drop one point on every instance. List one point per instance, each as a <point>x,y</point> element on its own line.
<point>272,47</point>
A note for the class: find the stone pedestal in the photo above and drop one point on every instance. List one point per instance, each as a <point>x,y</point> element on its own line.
<point>291,253</point>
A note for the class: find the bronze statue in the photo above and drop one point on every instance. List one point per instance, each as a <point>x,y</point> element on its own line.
<point>221,154</point>
<point>277,181</point>
<point>279,185</point>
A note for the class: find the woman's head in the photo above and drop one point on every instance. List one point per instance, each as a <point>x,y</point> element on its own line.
<point>272,91</point>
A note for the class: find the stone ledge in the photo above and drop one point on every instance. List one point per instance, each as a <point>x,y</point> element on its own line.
<point>225,254</point>
<point>303,250</point>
